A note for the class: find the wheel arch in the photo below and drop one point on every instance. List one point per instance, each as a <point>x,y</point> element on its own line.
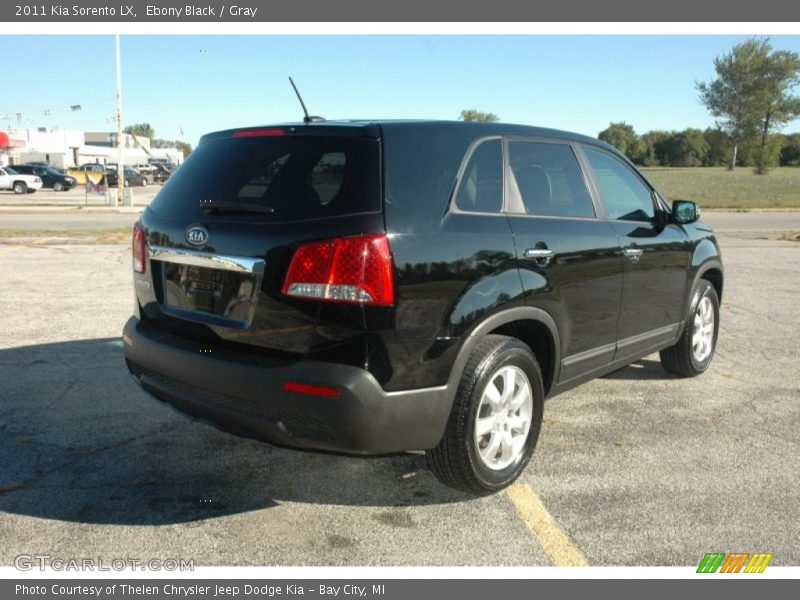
<point>529,324</point>
<point>710,270</point>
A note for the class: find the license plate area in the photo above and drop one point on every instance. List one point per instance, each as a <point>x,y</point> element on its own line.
<point>212,289</point>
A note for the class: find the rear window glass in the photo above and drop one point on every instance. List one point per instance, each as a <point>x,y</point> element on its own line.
<point>287,178</point>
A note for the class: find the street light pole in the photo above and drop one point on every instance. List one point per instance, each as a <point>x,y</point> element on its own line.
<point>120,164</point>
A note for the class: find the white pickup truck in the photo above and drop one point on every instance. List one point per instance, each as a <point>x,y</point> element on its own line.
<point>18,183</point>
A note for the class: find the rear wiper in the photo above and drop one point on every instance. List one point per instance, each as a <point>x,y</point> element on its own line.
<point>207,206</point>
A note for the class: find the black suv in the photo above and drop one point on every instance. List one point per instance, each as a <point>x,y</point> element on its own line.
<point>50,176</point>
<point>375,287</point>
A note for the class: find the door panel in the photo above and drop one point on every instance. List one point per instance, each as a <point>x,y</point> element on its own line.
<point>653,283</point>
<point>580,286</point>
<point>569,260</point>
<point>654,256</point>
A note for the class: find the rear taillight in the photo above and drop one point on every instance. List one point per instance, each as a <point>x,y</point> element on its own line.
<point>352,269</point>
<point>139,248</point>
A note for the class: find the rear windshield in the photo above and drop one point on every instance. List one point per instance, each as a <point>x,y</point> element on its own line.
<point>288,178</point>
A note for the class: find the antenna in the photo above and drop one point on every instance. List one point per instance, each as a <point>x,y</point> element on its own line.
<point>307,118</point>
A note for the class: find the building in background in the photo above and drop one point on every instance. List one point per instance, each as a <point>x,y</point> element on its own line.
<point>65,148</point>
<point>58,147</point>
<point>136,149</point>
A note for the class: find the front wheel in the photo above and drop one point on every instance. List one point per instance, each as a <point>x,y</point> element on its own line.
<point>495,421</point>
<point>58,186</point>
<point>20,187</point>
<point>693,352</point>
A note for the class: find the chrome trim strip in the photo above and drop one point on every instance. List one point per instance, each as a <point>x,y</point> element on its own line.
<point>574,359</point>
<point>661,332</point>
<point>239,264</point>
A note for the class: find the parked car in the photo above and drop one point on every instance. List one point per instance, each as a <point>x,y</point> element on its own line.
<point>44,164</point>
<point>94,171</point>
<point>132,178</point>
<point>379,287</point>
<point>49,176</point>
<point>17,182</point>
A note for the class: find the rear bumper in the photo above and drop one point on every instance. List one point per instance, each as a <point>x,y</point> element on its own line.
<point>244,393</point>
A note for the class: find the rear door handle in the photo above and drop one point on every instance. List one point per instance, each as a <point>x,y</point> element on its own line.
<point>632,253</point>
<point>541,255</point>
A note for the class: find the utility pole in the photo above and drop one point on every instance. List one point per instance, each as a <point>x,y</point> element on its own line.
<point>120,164</point>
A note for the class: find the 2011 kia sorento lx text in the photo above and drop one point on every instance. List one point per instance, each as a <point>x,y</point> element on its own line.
<point>376,287</point>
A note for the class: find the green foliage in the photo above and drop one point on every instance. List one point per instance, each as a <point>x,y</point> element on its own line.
<point>623,137</point>
<point>752,97</point>
<point>182,146</point>
<point>141,129</point>
<point>473,114</point>
<point>146,130</point>
<point>687,148</point>
<point>695,148</point>
<point>790,150</point>
<point>720,147</point>
<point>653,145</point>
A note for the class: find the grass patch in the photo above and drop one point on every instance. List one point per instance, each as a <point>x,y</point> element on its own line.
<point>83,236</point>
<point>716,187</point>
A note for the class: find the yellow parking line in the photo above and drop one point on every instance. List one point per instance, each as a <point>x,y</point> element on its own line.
<point>10,249</point>
<point>553,540</point>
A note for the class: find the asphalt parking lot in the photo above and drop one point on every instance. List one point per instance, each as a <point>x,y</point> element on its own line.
<point>638,468</point>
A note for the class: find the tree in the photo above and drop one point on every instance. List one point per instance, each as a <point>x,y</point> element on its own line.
<point>473,114</point>
<point>720,147</point>
<point>623,137</point>
<point>790,152</point>
<point>653,148</point>
<point>142,130</point>
<point>184,147</point>
<point>752,93</point>
<point>780,74</point>
<point>687,148</point>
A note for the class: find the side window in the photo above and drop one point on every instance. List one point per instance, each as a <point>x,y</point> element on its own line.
<point>625,196</point>
<point>481,186</point>
<point>549,180</point>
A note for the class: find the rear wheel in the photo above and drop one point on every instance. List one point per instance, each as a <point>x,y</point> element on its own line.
<point>495,421</point>
<point>20,187</point>
<point>693,352</point>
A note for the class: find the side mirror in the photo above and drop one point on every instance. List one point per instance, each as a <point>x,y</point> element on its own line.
<point>685,211</point>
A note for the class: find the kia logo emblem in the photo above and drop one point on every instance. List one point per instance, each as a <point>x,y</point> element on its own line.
<point>197,235</point>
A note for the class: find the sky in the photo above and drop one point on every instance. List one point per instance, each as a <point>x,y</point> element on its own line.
<point>187,85</point>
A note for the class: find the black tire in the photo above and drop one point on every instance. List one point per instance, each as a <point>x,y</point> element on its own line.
<point>20,187</point>
<point>456,461</point>
<point>680,359</point>
<point>58,186</point>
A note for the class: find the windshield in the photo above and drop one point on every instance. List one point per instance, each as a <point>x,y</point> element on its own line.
<point>10,171</point>
<point>286,177</point>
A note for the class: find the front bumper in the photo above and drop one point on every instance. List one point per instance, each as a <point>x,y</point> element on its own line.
<point>244,393</point>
